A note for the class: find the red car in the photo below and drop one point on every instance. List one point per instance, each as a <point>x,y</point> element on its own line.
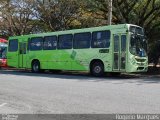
<point>3,62</point>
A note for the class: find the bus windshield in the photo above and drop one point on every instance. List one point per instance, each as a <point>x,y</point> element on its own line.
<point>3,51</point>
<point>138,43</point>
<point>136,30</point>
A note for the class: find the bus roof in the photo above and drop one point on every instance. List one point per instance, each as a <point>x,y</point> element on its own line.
<point>109,27</point>
<point>3,40</point>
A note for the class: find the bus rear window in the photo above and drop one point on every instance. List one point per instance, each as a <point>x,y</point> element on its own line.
<point>100,39</point>
<point>13,45</point>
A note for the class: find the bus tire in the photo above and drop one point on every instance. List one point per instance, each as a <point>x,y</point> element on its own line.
<point>97,69</point>
<point>36,66</point>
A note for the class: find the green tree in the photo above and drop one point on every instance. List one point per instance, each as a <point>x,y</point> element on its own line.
<point>154,53</point>
<point>17,17</point>
<point>57,14</point>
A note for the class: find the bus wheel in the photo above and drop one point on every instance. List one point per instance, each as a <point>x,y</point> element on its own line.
<point>97,69</point>
<point>36,66</point>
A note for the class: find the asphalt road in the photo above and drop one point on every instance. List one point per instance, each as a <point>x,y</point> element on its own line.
<point>25,92</point>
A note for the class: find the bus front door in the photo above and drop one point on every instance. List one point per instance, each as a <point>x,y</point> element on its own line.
<point>119,53</point>
<point>22,55</point>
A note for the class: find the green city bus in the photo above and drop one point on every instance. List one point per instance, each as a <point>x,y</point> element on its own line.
<point>114,49</point>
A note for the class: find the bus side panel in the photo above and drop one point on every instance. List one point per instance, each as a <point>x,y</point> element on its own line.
<point>35,55</point>
<point>50,59</point>
<point>63,61</point>
<point>104,55</point>
<point>80,59</point>
<point>12,59</point>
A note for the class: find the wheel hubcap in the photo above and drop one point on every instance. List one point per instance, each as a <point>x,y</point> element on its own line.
<point>97,69</point>
<point>35,67</point>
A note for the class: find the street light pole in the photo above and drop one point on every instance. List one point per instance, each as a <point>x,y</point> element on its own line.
<point>109,12</point>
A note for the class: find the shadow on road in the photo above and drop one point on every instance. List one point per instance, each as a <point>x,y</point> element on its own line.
<point>85,76</point>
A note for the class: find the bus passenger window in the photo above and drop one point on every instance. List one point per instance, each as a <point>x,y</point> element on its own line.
<point>65,41</point>
<point>13,45</point>
<point>123,43</point>
<point>100,39</point>
<point>50,43</point>
<point>82,40</point>
<point>36,43</point>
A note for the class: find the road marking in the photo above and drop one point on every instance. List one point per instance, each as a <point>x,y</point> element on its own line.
<point>3,104</point>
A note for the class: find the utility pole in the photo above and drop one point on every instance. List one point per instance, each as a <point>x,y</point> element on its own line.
<point>109,12</point>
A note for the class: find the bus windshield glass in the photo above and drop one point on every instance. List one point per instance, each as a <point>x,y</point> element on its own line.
<point>138,42</point>
<point>3,51</point>
<point>136,30</point>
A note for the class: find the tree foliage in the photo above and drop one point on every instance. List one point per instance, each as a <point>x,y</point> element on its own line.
<point>17,17</point>
<point>58,15</point>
